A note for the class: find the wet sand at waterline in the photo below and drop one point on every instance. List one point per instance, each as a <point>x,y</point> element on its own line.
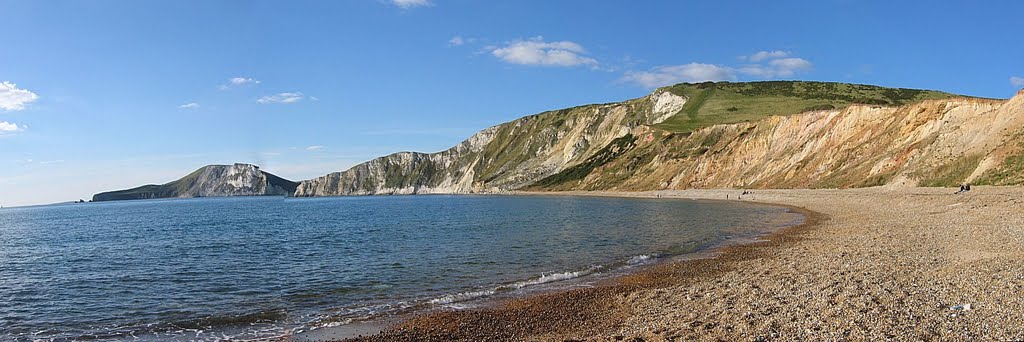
<point>876,263</point>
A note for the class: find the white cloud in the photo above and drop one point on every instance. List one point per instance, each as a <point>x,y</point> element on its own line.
<point>456,41</point>
<point>287,97</point>
<point>190,105</point>
<point>1017,81</point>
<point>788,66</point>
<point>672,74</point>
<point>783,67</point>
<point>763,55</point>
<point>12,98</point>
<point>770,64</point>
<point>314,148</point>
<point>7,127</point>
<point>239,81</point>
<point>407,4</point>
<point>536,51</point>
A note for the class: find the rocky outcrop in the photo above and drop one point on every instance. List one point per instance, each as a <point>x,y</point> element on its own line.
<point>210,181</point>
<point>666,104</point>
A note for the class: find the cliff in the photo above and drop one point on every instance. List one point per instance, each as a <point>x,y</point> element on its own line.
<point>210,181</point>
<point>779,134</point>
<point>757,134</point>
<point>503,157</point>
<point>932,143</point>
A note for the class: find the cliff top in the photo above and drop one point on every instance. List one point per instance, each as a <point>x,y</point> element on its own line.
<point>712,103</point>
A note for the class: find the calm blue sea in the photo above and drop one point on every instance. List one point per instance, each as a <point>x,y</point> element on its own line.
<point>253,267</point>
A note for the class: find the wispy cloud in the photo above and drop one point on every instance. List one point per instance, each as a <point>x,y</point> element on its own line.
<point>287,97</point>
<point>190,105</point>
<point>768,65</point>
<point>7,127</point>
<point>457,41</point>
<point>314,148</point>
<point>1017,81</point>
<point>239,81</point>
<point>672,74</point>
<point>783,67</point>
<point>763,55</point>
<point>13,98</point>
<point>407,4</point>
<point>535,51</point>
<point>243,80</point>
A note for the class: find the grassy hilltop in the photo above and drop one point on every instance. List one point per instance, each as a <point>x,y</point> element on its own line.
<point>712,103</point>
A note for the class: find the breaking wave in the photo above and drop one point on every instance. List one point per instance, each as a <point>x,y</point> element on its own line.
<point>542,279</point>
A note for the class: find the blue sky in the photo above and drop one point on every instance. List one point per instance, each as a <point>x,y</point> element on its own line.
<point>103,95</point>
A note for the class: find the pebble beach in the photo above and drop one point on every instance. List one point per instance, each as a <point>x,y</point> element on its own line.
<point>868,264</point>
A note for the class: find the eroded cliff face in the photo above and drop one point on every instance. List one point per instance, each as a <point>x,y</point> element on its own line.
<point>232,180</point>
<point>940,142</point>
<point>504,157</point>
<point>932,143</point>
<point>210,181</point>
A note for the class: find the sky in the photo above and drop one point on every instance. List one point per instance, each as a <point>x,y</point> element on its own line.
<point>105,95</point>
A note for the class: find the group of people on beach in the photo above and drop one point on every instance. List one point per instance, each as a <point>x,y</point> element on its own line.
<point>740,196</point>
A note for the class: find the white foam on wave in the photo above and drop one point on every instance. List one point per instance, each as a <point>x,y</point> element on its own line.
<point>460,297</point>
<point>639,259</point>
<point>448,300</point>
<point>551,277</point>
<point>336,323</point>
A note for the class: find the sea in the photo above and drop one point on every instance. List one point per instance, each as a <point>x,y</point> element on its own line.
<point>265,268</point>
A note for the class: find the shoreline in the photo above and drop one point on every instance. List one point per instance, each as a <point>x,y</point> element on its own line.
<point>872,263</point>
<point>432,325</point>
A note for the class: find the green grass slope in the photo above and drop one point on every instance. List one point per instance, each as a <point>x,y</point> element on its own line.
<point>712,103</point>
<point>167,190</point>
